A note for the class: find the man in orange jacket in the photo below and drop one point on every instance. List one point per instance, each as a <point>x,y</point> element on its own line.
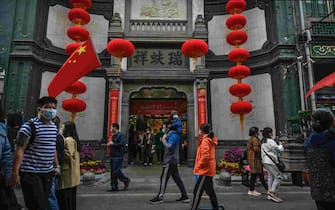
<point>205,167</point>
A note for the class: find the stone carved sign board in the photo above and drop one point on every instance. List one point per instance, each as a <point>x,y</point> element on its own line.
<point>227,125</point>
<point>158,9</point>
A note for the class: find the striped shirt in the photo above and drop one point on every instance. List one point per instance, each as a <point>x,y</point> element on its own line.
<point>39,155</point>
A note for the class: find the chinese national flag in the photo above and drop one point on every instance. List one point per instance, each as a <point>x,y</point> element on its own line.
<point>81,62</point>
<point>327,81</point>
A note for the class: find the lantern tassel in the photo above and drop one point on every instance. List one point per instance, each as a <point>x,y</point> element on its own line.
<point>242,122</point>
<point>73,116</point>
<point>119,65</point>
<point>193,64</point>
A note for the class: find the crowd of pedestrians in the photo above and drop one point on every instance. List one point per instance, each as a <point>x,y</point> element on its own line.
<point>44,160</point>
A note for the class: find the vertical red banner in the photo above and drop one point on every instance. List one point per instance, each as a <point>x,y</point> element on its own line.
<point>202,114</point>
<point>113,112</point>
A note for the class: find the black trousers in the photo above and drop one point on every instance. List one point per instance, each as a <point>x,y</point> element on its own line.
<point>253,180</point>
<point>204,183</point>
<point>36,189</point>
<point>321,205</point>
<point>167,171</point>
<point>8,200</point>
<point>67,198</point>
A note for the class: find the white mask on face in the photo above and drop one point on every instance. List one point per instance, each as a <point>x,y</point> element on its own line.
<point>175,116</point>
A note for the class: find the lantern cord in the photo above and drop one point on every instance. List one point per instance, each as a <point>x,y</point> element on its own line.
<point>119,65</point>
<point>73,116</point>
<point>194,63</point>
<point>74,95</point>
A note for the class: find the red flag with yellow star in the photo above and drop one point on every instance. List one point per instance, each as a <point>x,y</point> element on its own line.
<point>81,62</point>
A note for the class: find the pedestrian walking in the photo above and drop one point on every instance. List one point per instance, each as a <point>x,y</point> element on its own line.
<point>8,200</point>
<point>171,142</point>
<point>35,159</point>
<point>70,169</point>
<point>320,159</point>
<point>255,161</point>
<point>117,147</point>
<point>270,153</point>
<point>205,167</point>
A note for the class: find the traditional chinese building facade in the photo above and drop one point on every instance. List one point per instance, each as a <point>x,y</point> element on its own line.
<point>287,42</point>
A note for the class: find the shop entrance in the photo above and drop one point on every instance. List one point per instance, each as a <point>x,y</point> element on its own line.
<point>149,109</point>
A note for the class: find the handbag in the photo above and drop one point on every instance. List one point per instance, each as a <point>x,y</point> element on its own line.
<point>280,165</point>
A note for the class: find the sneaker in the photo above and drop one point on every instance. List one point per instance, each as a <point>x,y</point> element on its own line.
<point>268,197</point>
<point>183,199</point>
<point>126,184</point>
<point>254,193</point>
<point>156,200</point>
<point>145,164</point>
<point>275,198</point>
<point>150,164</point>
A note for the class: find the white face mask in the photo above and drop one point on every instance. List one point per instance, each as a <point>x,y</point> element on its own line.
<point>175,116</point>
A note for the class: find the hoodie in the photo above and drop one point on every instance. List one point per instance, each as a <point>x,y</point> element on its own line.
<point>325,139</point>
<point>205,163</point>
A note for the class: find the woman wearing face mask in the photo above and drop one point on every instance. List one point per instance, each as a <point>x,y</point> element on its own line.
<point>70,169</point>
<point>271,148</point>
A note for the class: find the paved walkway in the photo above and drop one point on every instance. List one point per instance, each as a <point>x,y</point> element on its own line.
<point>145,184</point>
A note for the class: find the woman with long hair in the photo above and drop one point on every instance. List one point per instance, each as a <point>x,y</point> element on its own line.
<point>70,168</point>
<point>270,153</point>
<point>254,160</point>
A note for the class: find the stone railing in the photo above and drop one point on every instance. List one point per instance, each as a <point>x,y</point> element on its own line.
<point>158,26</point>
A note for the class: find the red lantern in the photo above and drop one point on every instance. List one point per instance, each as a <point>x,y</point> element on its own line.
<point>84,4</point>
<point>238,55</point>
<point>74,105</point>
<point>78,33</point>
<point>77,87</point>
<point>236,22</point>
<point>194,48</point>
<point>237,37</point>
<point>241,107</point>
<point>120,48</point>
<point>240,90</point>
<point>79,16</point>
<point>236,6</point>
<point>70,48</point>
<point>239,72</point>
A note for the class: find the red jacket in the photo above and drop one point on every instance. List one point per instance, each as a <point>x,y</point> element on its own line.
<point>205,163</point>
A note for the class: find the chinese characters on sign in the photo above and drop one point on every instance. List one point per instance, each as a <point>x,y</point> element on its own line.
<point>158,58</point>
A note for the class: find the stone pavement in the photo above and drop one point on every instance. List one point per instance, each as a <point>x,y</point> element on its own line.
<point>145,185</point>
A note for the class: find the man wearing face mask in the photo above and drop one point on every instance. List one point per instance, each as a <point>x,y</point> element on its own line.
<point>35,160</point>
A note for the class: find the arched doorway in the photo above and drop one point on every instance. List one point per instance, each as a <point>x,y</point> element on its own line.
<point>150,107</point>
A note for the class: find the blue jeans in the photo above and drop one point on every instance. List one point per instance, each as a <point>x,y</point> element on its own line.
<point>116,173</point>
<point>52,200</point>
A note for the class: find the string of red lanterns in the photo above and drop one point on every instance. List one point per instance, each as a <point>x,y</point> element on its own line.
<point>237,37</point>
<point>79,16</point>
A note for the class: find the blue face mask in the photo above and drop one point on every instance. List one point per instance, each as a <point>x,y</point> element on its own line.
<point>49,114</point>
<point>163,130</point>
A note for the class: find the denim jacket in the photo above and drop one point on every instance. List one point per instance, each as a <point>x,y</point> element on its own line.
<point>6,159</point>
